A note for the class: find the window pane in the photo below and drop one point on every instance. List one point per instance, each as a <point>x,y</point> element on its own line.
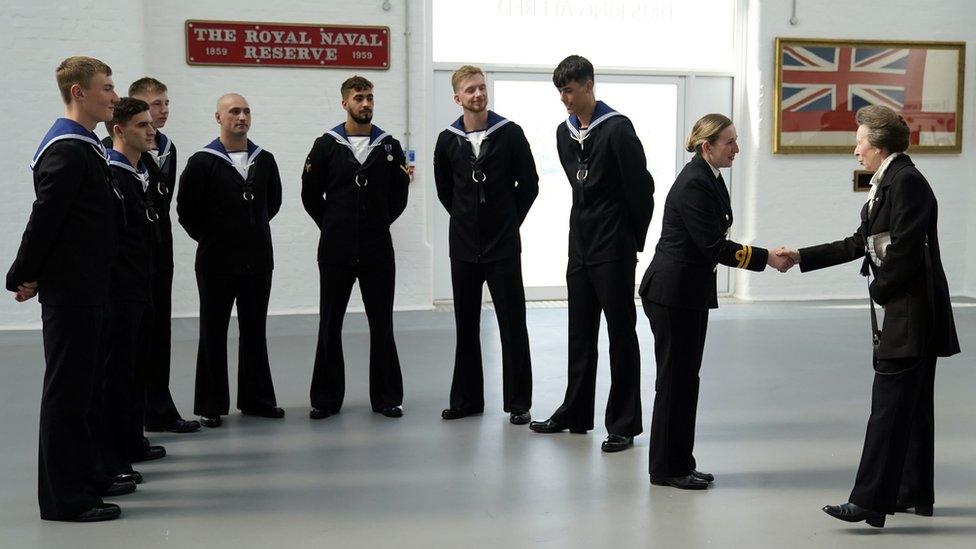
<point>658,34</point>
<point>535,106</point>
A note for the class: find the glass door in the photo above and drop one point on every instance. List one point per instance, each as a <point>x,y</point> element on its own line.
<point>651,103</point>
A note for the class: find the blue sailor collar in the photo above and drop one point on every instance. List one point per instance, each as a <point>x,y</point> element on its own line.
<point>601,113</point>
<point>64,128</point>
<point>163,144</point>
<point>495,121</point>
<point>116,158</point>
<point>376,135</point>
<point>217,149</point>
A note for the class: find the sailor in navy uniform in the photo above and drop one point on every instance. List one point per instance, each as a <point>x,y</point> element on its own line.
<point>354,186</point>
<point>486,180</point>
<point>612,206</point>
<point>131,316</point>
<point>66,257</point>
<point>161,413</point>
<point>228,194</point>
<point>679,288</point>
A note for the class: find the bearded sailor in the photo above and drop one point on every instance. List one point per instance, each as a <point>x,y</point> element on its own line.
<point>228,194</point>
<point>354,186</point>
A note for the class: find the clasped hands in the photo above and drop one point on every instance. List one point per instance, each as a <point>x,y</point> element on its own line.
<point>783,259</point>
<point>25,291</point>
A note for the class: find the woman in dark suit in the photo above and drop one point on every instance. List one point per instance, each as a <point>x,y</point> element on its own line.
<point>678,289</point>
<point>899,242</point>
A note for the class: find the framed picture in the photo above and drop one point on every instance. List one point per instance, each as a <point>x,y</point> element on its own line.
<point>862,180</point>
<point>820,84</point>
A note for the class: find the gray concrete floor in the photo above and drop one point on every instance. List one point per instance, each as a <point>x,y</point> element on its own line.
<point>784,401</point>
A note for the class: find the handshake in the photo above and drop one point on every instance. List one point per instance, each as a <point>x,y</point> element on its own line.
<point>783,259</point>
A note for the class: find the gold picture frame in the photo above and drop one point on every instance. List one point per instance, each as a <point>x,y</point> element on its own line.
<point>820,83</point>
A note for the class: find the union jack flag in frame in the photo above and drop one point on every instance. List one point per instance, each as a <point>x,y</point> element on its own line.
<point>820,84</point>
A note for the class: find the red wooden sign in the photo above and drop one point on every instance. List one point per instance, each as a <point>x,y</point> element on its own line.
<point>286,45</point>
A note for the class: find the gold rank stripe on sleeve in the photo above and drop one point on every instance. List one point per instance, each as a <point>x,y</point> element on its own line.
<point>744,256</point>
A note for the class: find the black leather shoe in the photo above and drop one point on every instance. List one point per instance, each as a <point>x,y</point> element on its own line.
<point>520,417</point>
<point>105,511</point>
<point>687,482</point>
<point>454,413</point>
<point>320,413</point>
<point>132,476</point>
<point>151,453</point>
<point>119,489</point>
<point>272,413</point>
<point>552,426</point>
<point>176,426</point>
<point>616,443</point>
<point>920,509</point>
<point>211,422</point>
<point>850,512</point>
<point>707,477</point>
<point>392,411</point>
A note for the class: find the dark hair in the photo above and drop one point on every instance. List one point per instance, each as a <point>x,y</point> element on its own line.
<point>125,109</point>
<point>574,68</point>
<point>886,129</point>
<point>146,84</point>
<point>357,83</point>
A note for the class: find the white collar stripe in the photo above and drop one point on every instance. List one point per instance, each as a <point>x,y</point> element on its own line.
<point>95,143</point>
<point>250,159</point>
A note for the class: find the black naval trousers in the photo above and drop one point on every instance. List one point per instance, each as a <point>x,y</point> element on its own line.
<point>679,342</point>
<point>124,387</point>
<point>504,279</point>
<point>376,283</point>
<point>69,476</point>
<point>897,463</point>
<point>159,407</point>
<point>606,287</point>
<point>255,390</point>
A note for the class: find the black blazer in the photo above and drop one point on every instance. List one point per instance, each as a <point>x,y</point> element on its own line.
<point>694,240</point>
<point>70,243</point>
<point>233,234</point>
<point>912,288</point>
<point>354,204</point>
<point>613,203</point>
<point>487,197</point>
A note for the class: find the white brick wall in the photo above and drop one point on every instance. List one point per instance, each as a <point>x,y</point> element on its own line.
<point>802,200</point>
<point>796,200</point>
<point>291,107</point>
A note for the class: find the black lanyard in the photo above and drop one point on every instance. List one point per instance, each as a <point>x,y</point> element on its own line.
<point>478,174</point>
<point>582,172</point>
